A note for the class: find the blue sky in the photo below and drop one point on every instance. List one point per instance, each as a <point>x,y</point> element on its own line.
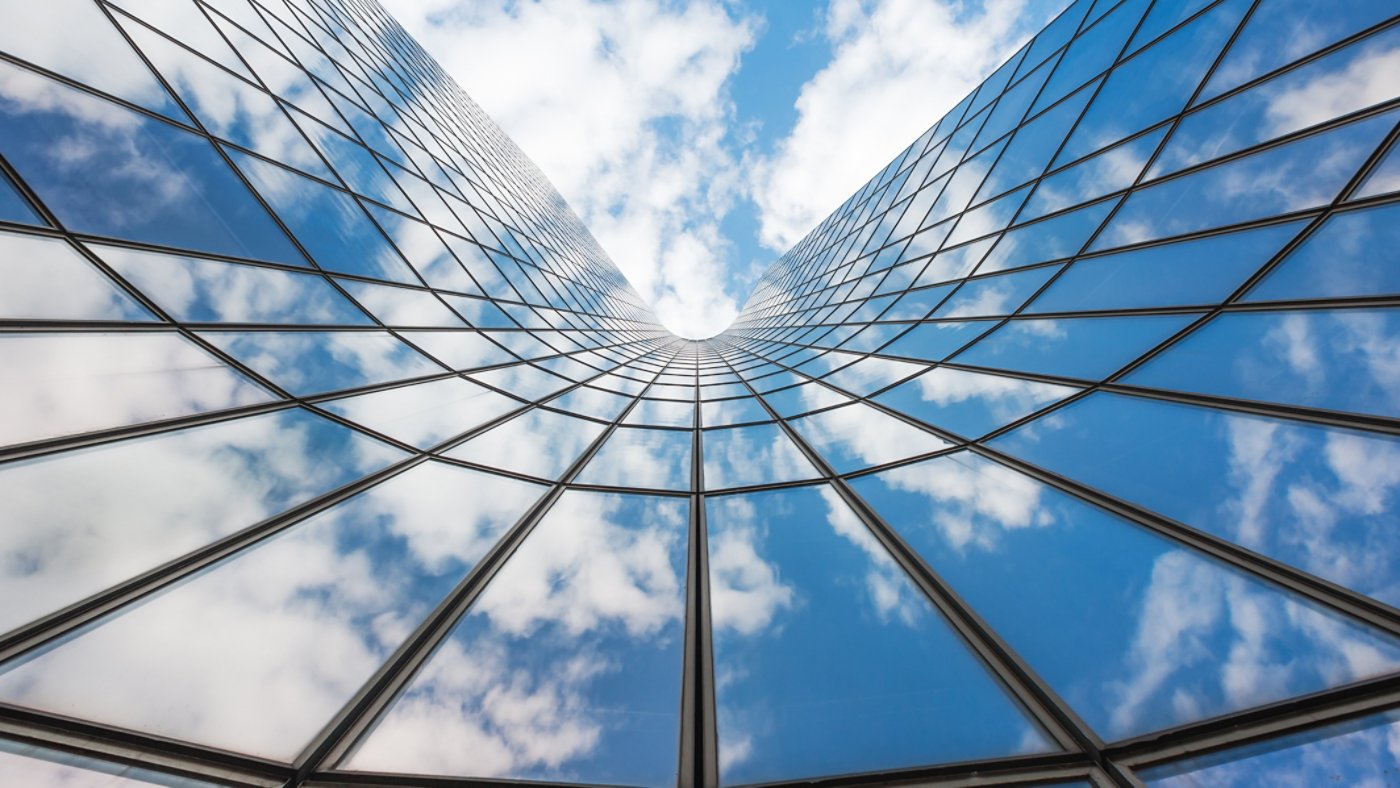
<point>699,139</point>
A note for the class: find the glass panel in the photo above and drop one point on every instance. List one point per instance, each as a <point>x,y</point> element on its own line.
<point>401,306</point>
<point>27,764</point>
<point>1158,636</point>
<point>310,362</point>
<point>662,414</point>
<point>90,518</point>
<point>329,223</point>
<point>1085,347</point>
<point>524,381</point>
<point>1355,752</point>
<point>227,106</point>
<point>59,384</point>
<point>995,295</point>
<point>937,341</point>
<point>869,375</point>
<point>1352,254</point>
<point>857,436</point>
<point>722,413</point>
<point>247,638</point>
<point>425,250</point>
<point>970,403</point>
<point>459,349</point>
<point>538,443</point>
<point>1204,271</point>
<point>1156,83</point>
<point>1302,174</point>
<point>209,291</point>
<point>127,175</point>
<point>1343,82</point>
<point>73,38</point>
<point>1100,174</point>
<point>1093,51</point>
<point>635,457</point>
<point>761,454</point>
<point>1317,498</point>
<point>1336,359</point>
<point>1281,31</point>
<point>1062,236</point>
<point>13,206</point>
<point>1384,178</point>
<point>47,278</point>
<point>568,667</point>
<point>803,398</point>
<point>828,659</point>
<point>425,414</point>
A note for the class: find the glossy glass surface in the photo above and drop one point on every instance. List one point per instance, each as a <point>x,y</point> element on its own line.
<point>1357,752</point>
<point>1335,359</point>
<point>1309,496</point>
<point>28,764</point>
<point>568,666</point>
<point>68,383</point>
<point>80,521</point>
<point>245,639</point>
<point>128,175</point>
<point>759,454</point>
<point>538,443</point>
<point>252,201</point>
<point>801,592</point>
<point>310,362</point>
<point>48,278</point>
<point>425,414</point>
<point>858,436</point>
<point>1169,637</point>
<point>209,291</point>
<point>1085,347</point>
<point>636,457</point>
<point>970,403</point>
<point>1296,176</point>
<point>1203,271</point>
<point>1352,254</point>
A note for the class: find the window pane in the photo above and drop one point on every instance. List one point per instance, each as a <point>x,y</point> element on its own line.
<point>1158,636</point>
<point>247,639</point>
<point>635,457</point>
<point>969,403</point>
<point>94,517</point>
<point>568,667</point>
<point>45,278</point>
<point>857,436</point>
<point>1084,347</point>
<point>829,660</point>
<point>538,443</point>
<point>1320,499</point>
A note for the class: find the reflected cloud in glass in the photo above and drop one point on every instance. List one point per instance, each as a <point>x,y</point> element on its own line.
<point>236,656</point>
<point>568,667</point>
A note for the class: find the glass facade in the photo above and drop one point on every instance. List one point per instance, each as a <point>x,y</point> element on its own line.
<point>335,451</point>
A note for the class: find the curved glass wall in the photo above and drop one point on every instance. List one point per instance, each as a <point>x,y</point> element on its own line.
<point>336,451</point>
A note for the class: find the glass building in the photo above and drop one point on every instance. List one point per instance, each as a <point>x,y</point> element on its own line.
<point>336,451</point>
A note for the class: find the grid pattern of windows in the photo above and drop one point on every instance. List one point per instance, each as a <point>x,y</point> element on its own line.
<point>337,452</point>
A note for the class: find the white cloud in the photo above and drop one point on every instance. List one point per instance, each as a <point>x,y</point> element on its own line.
<point>624,106</point>
<point>898,65</point>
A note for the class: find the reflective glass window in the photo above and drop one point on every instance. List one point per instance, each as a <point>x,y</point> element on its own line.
<point>47,278</point>
<point>93,517</point>
<point>1158,636</point>
<point>857,436</point>
<point>800,593</point>
<point>538,443</point>
<point>567,667</point>
<point>1352,254</point>
<point>425,414</point>
<point>58,384</point>
<point>971,403</point>
<point>247,638</point>
<point>129,176</point>
<point>636,457</point>
<point>1317,498</point>
<point>1086,347</point>
<point>310,362</point>
<point>1335,359</point>
<point>759,454</point>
